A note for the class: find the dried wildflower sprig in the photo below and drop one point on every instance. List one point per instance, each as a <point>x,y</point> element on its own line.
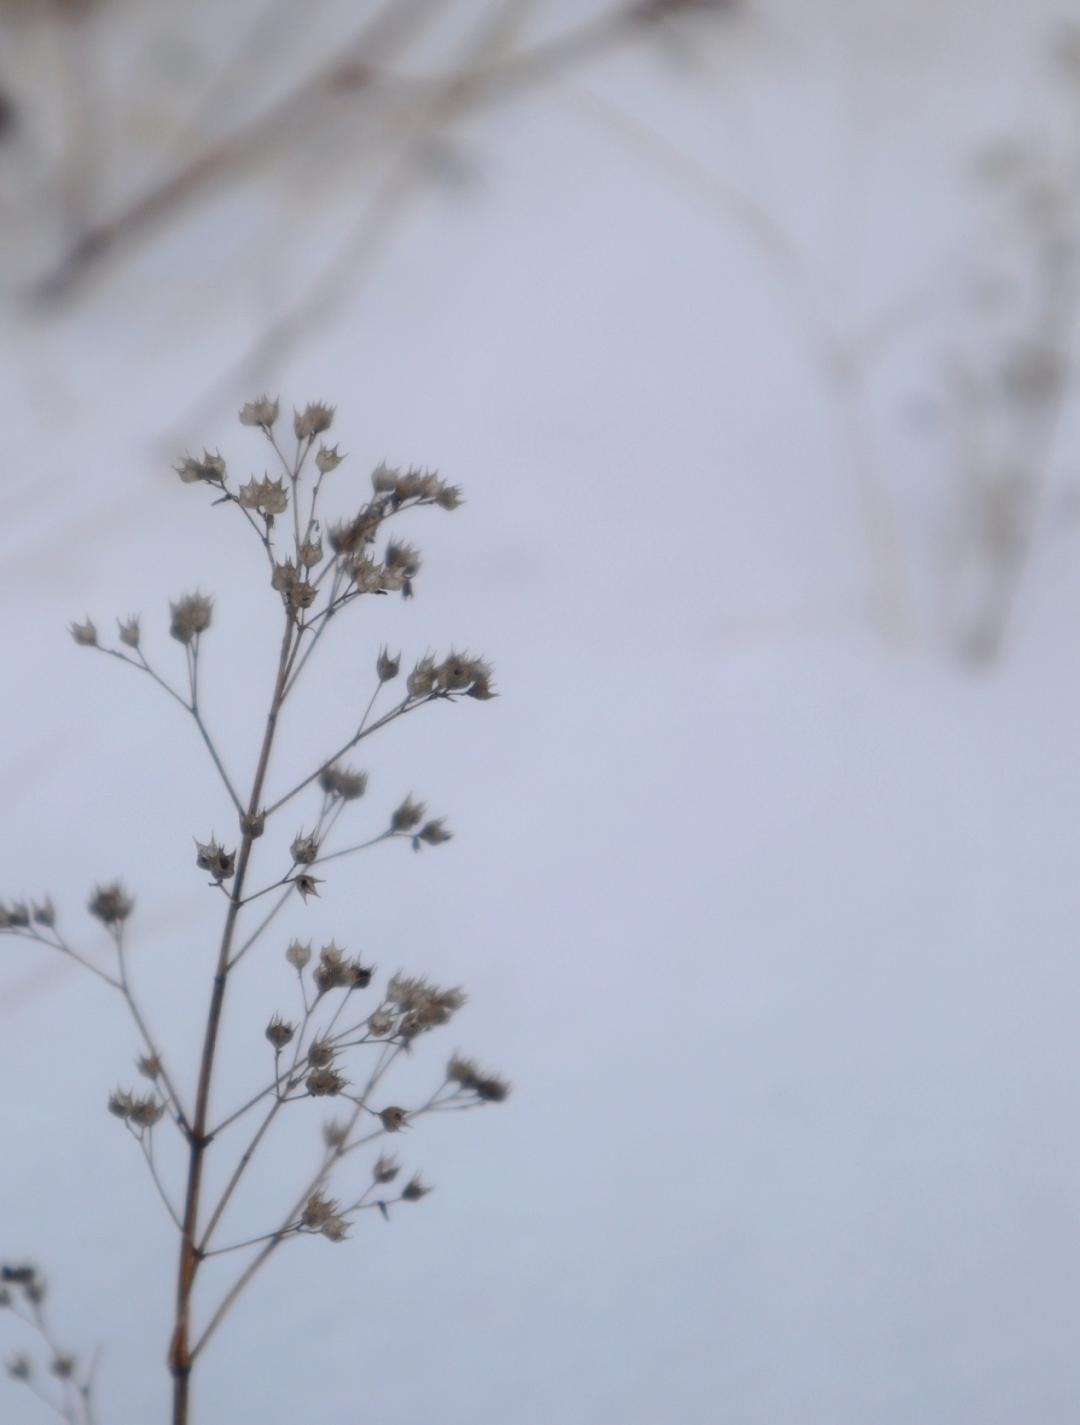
<point>342,1040</point>
<point>71,1397</point>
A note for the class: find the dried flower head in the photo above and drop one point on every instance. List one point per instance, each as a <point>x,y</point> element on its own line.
<point>317,1210</point>
<point>335,1133</point>
<point>253,825</point>
<point>311,553</point>
<point>434,833</point>
<point>422,681</point>
<point>20,1367</point>
<point>386,1168</point>
<point>143,1110</point>
<point>211,469</point>
<point>336,1229</point>
<point>423,1005</point>
<point>304,850</point>
<point>407,815</point>
<point>190,617</point>
<point>312,420</point>
<point>129,630</point>
<point>333,971</point>
<point>63,1366</point>
<point>43,912</point>
<point>149,1065</point>
<point>343,782</point>
<point>380,1023</point>
<point>320,1053</point>
<point>393,1119</point>
<point>212,857</point>
<point>328,458</point>
<point>488,1087</point>
<point>298,954</point>
<point>307,885</point>
<point>387,666</point>
<point>280,1032</point>
<point>323,1083</point>
<point>261,412</point>
<point>267,496</point>
<point>111,904</point>
<point>414,1189</point>
<point>84,633</point>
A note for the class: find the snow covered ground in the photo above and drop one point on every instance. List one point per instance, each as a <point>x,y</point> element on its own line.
<point>766,897</point>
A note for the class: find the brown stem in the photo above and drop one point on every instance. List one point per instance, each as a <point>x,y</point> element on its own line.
<point>180,1358</point>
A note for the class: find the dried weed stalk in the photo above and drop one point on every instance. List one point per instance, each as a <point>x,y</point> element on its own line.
<point>341,1040</point>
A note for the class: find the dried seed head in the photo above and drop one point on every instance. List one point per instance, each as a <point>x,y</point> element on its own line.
<point>336,1229</point>
<point>149,1065</point>
<point>298,954</point>
<point>407,815</point>
<point>312,420</point>
<point>307,885</point>
<point>488,1087</point>
<point>323,1083</point>
<point>333,971</point>
<point>143,1110</point>
<point>320,1054</point>
<point>284,577</point>
<point>253,826</point>
<point>84,634</point>
<point>383,479</point>
<point>43,912</point>
<point>317,1210</point>
<point>129,630</point>
<point>280,1032</point>
<point>434,833</point>
<point>343,782</point>
<point>380,1023</point>
<point>304,849</point>
<point>63,1367</point>
<point>212,857</point>
<point>422,682</point>
<point>210,468</point>
<point>414,1189</point>
<point>393,1119</point>
<point>20,1367</point>
<point>386,666</point>
<point>302,595</point>
<point>328,458</point>
<point>311,553</point>
<point>402,560</point>
<point>22,1274</point>
<point>15,916</point>
<point>359,975</point>
<point>190,617</point>
<point>146,1111</point>
<point>423,1005</point>
<point>386,1168</point>
<point>261,412</point>
<point>111,904</point>
<point>267,496</point>
<point>449,497</point>
<point>335,1133</point>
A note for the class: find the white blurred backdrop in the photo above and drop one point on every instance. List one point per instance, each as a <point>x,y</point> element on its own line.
<point>749,335</point>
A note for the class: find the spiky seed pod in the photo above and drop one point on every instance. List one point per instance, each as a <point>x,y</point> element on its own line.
<point>261,412</point>
<point>84,633</point>
<point>280,1032</point>
<point>312,420</point>
<point>111,904</point>
<point>190,616</point>
<point>323,1083</point>
<point>407,815</point>
<point>393,1119</point>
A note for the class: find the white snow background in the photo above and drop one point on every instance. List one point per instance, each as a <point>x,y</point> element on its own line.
<point>766,902</point>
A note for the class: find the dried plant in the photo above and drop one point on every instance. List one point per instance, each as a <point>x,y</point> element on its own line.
<point>341,1039</point>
